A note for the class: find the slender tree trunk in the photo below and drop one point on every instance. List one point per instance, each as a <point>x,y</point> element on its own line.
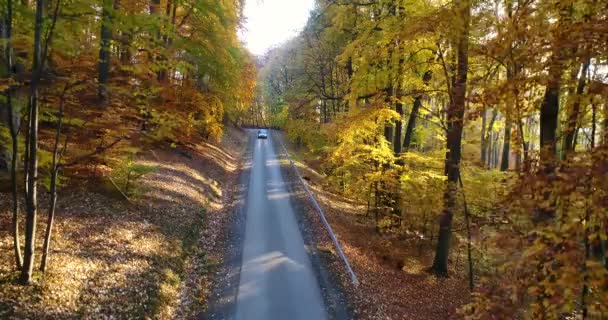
<point>163,71</point>
<point>14,127</point>
<point>496,151</point>
<point>31,200</point>
<point>53,187</point>
<point>50,220</point>
<point>605,125</point>
<point>525,147</point>
<point>388,127</point>
<point>487,142</point>
<point>483,141</point>
<point>491,147</point>
<point>376,206</point>
<point>549,109</point>
<point>26,153</point>
<point>389,133</point>
<point>573,116</point>
<point>411,123</point>
<point>455,117</point>
<point>548,121</point>
<point>506,151</point>
<point>398,127</point>
<point>491,152</point>
<point>593,124</point>
<point>104,52</point>
<point>32,164</point>
<point>15,192</point>
<point>467,221</point>
<point>575,139</point>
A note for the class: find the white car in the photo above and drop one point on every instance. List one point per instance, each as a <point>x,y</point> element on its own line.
<point>262,134</point>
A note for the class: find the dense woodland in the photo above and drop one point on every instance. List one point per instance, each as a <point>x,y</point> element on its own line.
<point>83,79</point>
<point>472,128</point>
<point>476,128</point>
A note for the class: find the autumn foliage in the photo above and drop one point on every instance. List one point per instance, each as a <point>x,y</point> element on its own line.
<point>92,83</point>
<point>488,117</point>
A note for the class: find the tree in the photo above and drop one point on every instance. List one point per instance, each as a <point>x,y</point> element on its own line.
<point>549,110</point>
<point>104,50</point>
<point>14,128</point>
<point>414,114</point>
<point>455,119</point>
<point>32,164</point>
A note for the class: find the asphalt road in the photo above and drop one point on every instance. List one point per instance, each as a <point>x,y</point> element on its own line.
<point>277,280</point>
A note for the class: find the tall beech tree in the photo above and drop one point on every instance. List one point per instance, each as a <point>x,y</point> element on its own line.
<point>14,124</point>
<point>455,120</point>
<point>31,208</point>
<point>107,10</point>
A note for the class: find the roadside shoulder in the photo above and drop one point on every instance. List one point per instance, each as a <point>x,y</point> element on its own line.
<point>222,299</point>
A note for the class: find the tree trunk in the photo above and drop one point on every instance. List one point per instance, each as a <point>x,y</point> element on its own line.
<point>549,110</point>
<point>53,187</point>
<point>518,162</point>
<point>31,200</point>
<point>411,123</point>
<point>548,120</point>
<point>506,151</point>
<point>163,70</point>
<point>14,161</point>
<point>525,146</point>
<point>483,141</point>
<point>388,133</point>
<point>388,127</point>
<point>398,127</point>
<point>593,125</point>
<point>13,122</point>
<point>32,164</point>
<point>575,140</point>
<point>574,114</point>
<point>496,150</point>
<point>486,142</point>
<point>50,220</point>
<point>455,115</point>
<point>104,52</point>
<point>605,129</point>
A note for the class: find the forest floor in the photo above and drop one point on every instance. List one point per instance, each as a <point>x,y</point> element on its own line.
<point>152,258</point>
<point>394,282</point>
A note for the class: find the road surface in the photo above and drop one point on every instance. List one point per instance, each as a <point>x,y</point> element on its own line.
<point>277,280</point>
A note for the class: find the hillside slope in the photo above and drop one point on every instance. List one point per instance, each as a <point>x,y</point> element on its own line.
<point>148,258</point>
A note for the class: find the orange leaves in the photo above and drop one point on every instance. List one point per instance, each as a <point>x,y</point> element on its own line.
<point>558,268</point>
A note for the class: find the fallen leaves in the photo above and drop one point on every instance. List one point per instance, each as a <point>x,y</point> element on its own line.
<point>113,261</point>
<point>393,280</point>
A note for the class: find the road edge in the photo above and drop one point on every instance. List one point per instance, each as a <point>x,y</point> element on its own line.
<point>222,300</point>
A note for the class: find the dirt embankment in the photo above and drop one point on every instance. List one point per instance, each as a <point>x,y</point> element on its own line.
<point>152,258</point>
<point>392,273</point>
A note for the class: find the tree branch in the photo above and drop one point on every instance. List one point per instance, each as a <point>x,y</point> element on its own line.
<point>97,151</point>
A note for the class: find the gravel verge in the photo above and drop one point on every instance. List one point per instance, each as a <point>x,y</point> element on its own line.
<point>222,301</point>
